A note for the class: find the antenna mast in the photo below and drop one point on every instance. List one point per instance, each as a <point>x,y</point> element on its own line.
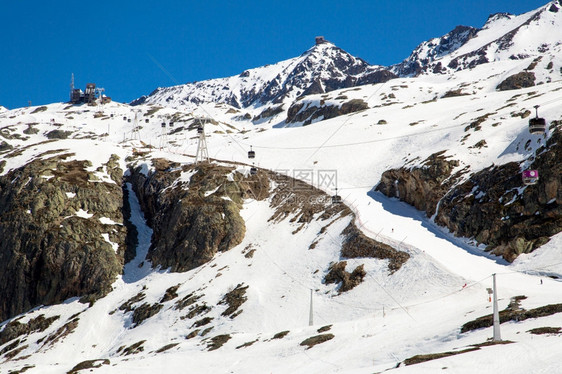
<point>71,85</point>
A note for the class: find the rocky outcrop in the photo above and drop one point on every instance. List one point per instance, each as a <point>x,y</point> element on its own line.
<point>346,280</point>
<point>194,220</point>
<point>306,113</point>
<point>520,80</point>
<point>427,52</point>
<point>323,68</point>
<point>492,206</point>
<point>423,186</point>
<point>48,253</point>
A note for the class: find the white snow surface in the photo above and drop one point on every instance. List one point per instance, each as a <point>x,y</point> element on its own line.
<point>418,309</point>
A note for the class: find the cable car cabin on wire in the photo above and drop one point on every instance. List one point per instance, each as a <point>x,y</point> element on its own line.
<point>336,199</point>
<point>530,177</point>
<point>537,125</point>
<point>251,153</point>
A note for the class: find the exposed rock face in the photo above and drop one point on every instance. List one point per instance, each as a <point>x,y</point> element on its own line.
<point>427,52</point>
<point>47,252</point>
<point>323,68</point>
<point>356,244</point>
<point>347,280</point>
<point>421,187</point>
<point>492,206</point>
<point>302,112</point>
<point>520,80</point>
<point>192,224</point>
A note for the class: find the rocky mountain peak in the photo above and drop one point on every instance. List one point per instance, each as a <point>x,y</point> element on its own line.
<point>493,18</point>
<point>502,37</point>
<point>433,49</point>
<point>322,68</point>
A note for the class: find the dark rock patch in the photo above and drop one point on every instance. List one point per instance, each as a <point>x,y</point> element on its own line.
<point>58,134</point>
<point>234,299</point>
<point>15,328</point>
<point>132,349</point>
<point>545,331</point>
<point>356,245</point>
<point>202,322</point>
<point>127,306</point>
<point>281,335</point>
<point>523,79</point>
<point>166,347</point>
<point>89,364</point>
<point>170,294</point>
<point>218,341</point>
<point>347,281</point>
<point>145,311</point>
<point>421,187</point>
<point>512,314</point>
<point>318,339</point>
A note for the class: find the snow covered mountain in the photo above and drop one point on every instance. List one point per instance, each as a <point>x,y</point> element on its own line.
<point>119,254</point>
<point>504,36</point>
<point>322,68</point>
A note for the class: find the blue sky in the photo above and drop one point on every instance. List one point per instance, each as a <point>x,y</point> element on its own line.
<point>130,48</point>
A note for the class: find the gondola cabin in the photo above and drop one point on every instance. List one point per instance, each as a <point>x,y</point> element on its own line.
<point>146,120</point>
<point>253,171</point>
<point>163,124</point>
<point>200,129</point>
<point>537,125</point>
<point>251,153</point>
<point>336,199</point>
<point>530,177</point>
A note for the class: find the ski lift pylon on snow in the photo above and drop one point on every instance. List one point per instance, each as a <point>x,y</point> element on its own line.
<point>537,125</point>
<point>251,153</point>
<point>530,177</point>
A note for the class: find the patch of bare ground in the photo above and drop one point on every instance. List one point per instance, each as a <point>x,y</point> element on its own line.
<point>513,312</point>
<point>166,347</point>
<point>280,335</point>
<point>132,349</point>
<point>247,344</point>
<point>234,299</point>
<point>317,339</point>
<point>144,312</point>
<point>186,301</point>
<point>417,359</point>
<point>356,244</point>
<point>89,364</point>
<point>545,331</point>
<point>217,341</point>
<point>346,280</point>
<point>15,328</point>
<point>170,294</point>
